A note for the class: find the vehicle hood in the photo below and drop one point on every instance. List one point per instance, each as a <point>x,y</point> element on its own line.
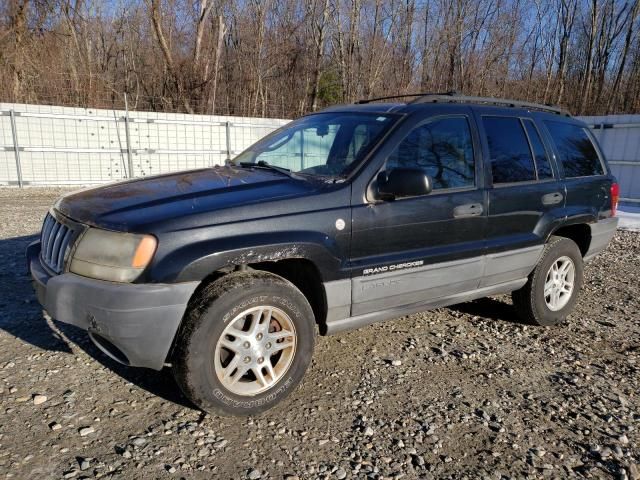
<point>135,205</point>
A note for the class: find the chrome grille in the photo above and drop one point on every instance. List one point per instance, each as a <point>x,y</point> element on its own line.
<point>55,239</point>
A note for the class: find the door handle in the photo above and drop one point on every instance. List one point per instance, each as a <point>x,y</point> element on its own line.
<point>552,198</point>
<point>468,210</point>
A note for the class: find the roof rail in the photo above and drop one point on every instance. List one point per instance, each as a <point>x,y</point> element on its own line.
<point>455,98</point>
<point>370,100</point>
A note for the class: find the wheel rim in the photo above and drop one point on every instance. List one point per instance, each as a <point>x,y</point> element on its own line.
<point>255,350</point>
<point>558,286</point>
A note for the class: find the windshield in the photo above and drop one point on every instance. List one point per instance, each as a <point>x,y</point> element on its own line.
<point>325,144</point>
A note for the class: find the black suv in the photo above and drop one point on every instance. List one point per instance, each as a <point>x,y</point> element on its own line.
<point>343,218</point>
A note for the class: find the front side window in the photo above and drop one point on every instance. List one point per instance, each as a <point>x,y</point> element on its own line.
<point>576,151</point>
<point>443,149</point>
<point>326,144</point>
<point>511,159</point>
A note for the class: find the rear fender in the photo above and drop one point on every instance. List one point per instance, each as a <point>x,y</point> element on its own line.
<point>564,217</point>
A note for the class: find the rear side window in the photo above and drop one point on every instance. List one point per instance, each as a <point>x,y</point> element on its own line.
<point>575,149</point>
<point>543,167</point>
<point>443,149</point>
<point>511,159</point>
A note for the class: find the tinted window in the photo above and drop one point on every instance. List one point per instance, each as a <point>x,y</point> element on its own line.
<point>511,159</point>
<point>542,162</point>
<point>577,154</point>
<point>442,148</point>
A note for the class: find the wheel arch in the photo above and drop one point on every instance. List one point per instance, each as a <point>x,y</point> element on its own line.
<point>302,272</point>
<point>579,233</point>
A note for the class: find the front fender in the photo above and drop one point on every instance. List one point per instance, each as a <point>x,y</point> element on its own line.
<point>198,260</point>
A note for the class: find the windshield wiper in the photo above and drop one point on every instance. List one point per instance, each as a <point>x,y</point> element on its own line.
<point>268,166</point>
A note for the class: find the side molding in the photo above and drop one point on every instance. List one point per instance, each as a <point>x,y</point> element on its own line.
<point>338,294</point>
<point>510,265</point>
<point>352,303</point>
<point>358,321</point>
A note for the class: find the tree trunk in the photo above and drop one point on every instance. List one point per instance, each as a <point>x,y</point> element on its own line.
<point>216,65</point>
<point>166,53</point>
<point>623,56</point>
<point>568,13</point>
<point>586,84</point>
<point>18,23</point>
<point>320,29</point>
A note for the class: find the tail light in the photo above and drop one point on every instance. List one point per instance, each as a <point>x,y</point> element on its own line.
<point>615,195</point>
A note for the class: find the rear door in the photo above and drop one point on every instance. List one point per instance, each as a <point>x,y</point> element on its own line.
<point>524,197</point>
<point>588,188</point>
<point>411,250</point>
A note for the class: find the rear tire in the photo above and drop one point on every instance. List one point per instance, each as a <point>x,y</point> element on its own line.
<point>552,289</point>
<point>245,344</point>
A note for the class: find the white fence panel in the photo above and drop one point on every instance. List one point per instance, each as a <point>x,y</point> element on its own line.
<point>61,145</point>
<point>619,136</point>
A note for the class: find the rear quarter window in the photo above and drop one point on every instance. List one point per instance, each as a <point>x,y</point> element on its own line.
<point>576,152</point>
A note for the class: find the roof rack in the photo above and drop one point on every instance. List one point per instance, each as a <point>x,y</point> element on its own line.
<point>454,97</point>
<point>371,100</point>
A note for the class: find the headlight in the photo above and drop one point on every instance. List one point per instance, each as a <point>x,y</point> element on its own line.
<point>113,256</point>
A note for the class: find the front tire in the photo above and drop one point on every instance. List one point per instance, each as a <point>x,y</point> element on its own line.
<point>551,291</point>
<point>245,344</point>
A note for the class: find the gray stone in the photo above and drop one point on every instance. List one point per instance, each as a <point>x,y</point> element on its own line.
<point>84,431</point>
<point>254,474</point>
<point>138,441</point>
<point>605,453</point>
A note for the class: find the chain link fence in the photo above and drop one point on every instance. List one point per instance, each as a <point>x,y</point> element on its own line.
<point>48,145</point>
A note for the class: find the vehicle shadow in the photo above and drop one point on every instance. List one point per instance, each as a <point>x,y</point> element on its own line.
<point>22,317</point>
<point>491,308</point>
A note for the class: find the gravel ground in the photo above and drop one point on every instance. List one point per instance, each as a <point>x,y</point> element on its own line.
<point>463,392</point>
<point>629,219</point>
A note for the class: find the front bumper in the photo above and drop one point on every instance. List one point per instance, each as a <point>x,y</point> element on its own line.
<point>134,324</point>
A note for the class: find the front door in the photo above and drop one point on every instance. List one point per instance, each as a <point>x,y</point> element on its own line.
<point>416,249</point>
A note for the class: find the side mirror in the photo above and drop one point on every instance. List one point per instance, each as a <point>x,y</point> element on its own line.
<point>403,182</point>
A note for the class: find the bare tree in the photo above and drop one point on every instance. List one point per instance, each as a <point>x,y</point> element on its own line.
<point>631,23</point>
<point>568,10</point>
<point>18,26</point>
<point>287,57</point>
